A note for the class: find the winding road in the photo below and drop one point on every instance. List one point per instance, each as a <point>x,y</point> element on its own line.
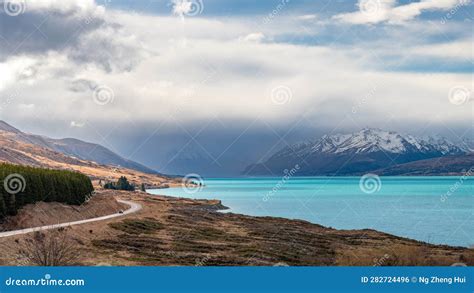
<point>134,207</point>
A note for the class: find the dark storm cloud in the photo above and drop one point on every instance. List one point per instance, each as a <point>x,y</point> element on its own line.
<point>37,32</point>
<point>83,34</point>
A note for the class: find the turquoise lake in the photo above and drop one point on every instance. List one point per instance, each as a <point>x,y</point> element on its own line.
<point>437,210</point>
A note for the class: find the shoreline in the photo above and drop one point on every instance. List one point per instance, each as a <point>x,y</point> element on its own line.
<point>226,209</point>
<point>229,209</point>
<point>341,176</point>
<point>171,231</point>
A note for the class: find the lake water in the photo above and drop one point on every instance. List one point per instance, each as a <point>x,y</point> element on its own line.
<point>438,210</point>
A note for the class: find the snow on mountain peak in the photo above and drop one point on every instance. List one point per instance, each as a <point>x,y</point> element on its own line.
<point>370,140</point>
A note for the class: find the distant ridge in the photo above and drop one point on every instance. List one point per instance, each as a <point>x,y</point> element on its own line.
<point>8,128</point>
<point>76,148</point>
<point>356,153</point>
<point>443,166</point>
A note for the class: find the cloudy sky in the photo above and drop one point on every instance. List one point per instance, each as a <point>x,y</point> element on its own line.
<point>211,86</point>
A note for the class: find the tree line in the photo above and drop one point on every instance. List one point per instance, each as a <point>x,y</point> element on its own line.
<point>22,185</point>
<point>121,184</point>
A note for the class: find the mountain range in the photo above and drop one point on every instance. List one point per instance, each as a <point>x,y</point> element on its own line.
<point>368,150</point>
<point>94,160</point>
<point>76,148</point>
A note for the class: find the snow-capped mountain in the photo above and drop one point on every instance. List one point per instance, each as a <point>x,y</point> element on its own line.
<point>468,143</point>
<point>365,150</point>
<point>370,140</point>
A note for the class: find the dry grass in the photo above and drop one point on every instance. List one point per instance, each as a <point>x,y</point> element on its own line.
<point>467,258</point>
<point>404,255</point>
<point>138,226</point>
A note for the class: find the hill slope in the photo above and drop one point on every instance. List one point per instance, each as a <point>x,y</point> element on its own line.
<point>32,150</point>
<point>76,148</point>
<point>449,165</point>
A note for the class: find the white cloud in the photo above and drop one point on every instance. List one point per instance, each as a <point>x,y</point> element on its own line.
<point>307,17</point>
<point>254,37</point>
<point>75,124</point>
<point>64,6</point>
<point>15,69</point>
<point>461,50</point>
<point>376,11</point>
<point>213,73</point>
<point>26,107</point>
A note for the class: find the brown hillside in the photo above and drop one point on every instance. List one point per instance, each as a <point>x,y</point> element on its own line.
<point>13,150</point>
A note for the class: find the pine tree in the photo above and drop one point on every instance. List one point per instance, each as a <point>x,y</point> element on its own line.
<point>42,185</point>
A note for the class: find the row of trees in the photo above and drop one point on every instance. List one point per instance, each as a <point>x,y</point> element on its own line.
<point>121,184</point>
<point>22,185</point>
